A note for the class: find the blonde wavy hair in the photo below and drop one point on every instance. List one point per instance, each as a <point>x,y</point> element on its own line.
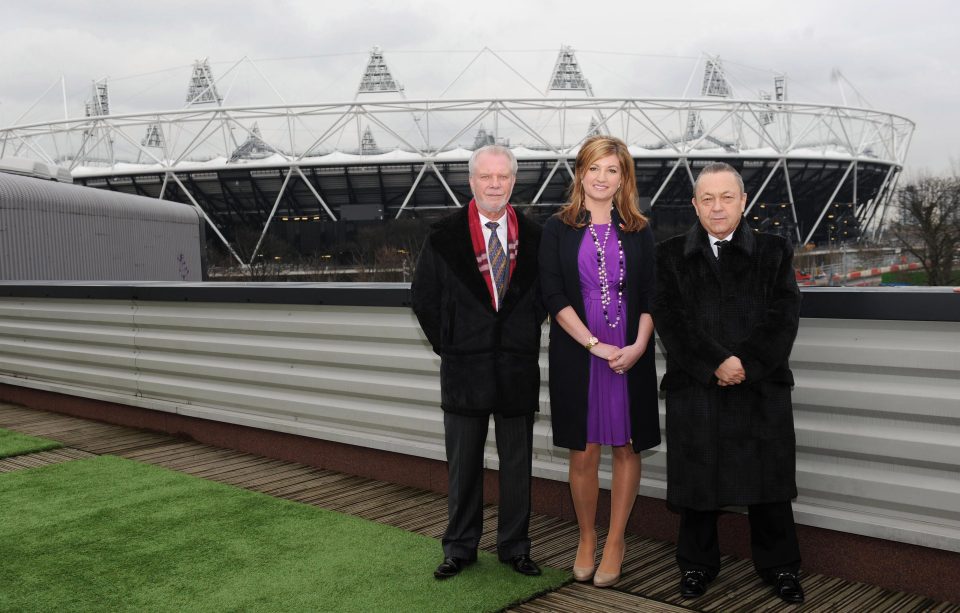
<point>626,200</point>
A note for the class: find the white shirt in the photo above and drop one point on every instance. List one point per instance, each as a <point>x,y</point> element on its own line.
<point>713,242</point>
<point>502,235</point>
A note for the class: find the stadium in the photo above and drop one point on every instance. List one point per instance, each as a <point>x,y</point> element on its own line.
<point>310,173</point>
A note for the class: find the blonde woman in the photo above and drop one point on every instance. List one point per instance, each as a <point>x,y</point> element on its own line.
<point>596,273</point>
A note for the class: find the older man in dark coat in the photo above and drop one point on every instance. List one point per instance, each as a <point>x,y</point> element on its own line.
<point>727,311</point>
<point>477,297</point>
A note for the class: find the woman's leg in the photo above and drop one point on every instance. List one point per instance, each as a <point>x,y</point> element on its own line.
<point>584,489</point>
<point>623,493</point>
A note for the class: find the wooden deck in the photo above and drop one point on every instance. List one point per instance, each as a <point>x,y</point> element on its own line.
<point>650,577</point>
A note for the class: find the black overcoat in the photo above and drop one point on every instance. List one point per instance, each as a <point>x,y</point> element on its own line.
<point>729,445</point>
<point>569,361</point>
<point>488,358</point>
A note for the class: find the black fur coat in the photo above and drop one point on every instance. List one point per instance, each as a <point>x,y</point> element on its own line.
<point>488,359</point>
<point>727,445</point>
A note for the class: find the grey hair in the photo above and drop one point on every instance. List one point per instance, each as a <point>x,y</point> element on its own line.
<point>494,149</point>
<point>716,167</point>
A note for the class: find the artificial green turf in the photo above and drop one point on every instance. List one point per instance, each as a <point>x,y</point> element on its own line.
<point>14,443</point>
<point>108,534</point>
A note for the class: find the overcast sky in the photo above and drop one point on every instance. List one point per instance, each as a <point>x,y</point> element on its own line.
<point>898,57</point>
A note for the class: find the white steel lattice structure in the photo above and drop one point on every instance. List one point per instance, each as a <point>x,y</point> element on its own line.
<point>377,78</point>
<point>567,75</point>
<point>99,103</point>
<point>814,172</point>
<point>153,138</point>
<point>203,87</point>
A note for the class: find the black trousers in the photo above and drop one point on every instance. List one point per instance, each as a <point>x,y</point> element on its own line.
<point>773,540</point>
<point>465,438</point>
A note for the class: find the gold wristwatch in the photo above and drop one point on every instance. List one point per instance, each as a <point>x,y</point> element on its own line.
<point>593,340</point>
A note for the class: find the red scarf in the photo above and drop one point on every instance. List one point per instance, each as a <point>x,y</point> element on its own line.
<point>480,246</point>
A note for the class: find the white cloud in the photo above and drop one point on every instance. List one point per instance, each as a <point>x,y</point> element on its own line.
<point>900,57</point>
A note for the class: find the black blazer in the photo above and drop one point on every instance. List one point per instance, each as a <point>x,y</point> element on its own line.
<point>569,361</point>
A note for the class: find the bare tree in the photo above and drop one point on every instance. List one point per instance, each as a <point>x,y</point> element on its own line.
<point>391,249</point>
<point>929,224</point>
<point>274,256</point>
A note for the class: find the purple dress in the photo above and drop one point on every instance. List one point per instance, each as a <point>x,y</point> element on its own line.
<point>608,404</point>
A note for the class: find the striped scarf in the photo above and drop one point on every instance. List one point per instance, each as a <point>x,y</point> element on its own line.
<point>480,246</point>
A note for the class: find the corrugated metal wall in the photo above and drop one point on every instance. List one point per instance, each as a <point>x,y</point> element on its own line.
<point>51,231</point>
<point>877,402</point>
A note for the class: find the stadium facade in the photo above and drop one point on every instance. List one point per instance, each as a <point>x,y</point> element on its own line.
<point>816,173</point>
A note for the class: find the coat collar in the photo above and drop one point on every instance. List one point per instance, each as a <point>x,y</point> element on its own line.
<point>451,241</point>
<point>696,240</point>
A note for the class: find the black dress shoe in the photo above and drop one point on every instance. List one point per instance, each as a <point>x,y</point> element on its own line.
<point>786,585</point>
<point>524,565</point>
<point>693,583</point>
<point>451,567</point>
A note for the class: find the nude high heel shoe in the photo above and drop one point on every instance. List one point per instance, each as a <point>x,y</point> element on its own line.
<point>583,573</point>
<point>602,579</point>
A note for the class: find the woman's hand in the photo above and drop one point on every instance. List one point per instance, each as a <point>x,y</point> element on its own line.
<point>603,350</point>
<point>622,360</point>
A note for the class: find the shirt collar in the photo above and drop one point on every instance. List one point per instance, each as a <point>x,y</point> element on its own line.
<point>714,239</point>
<point>484,219</point>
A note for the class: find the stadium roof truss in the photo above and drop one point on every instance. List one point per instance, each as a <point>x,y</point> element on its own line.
<point>429,133</point>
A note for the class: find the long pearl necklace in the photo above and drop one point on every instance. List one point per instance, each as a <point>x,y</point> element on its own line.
<point>605,293</point>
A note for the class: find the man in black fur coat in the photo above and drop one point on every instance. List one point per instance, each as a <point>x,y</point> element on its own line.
<point>727,315</point>
<point>477,298</point>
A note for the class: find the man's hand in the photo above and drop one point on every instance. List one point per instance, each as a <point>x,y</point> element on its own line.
<point>730,372</point>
